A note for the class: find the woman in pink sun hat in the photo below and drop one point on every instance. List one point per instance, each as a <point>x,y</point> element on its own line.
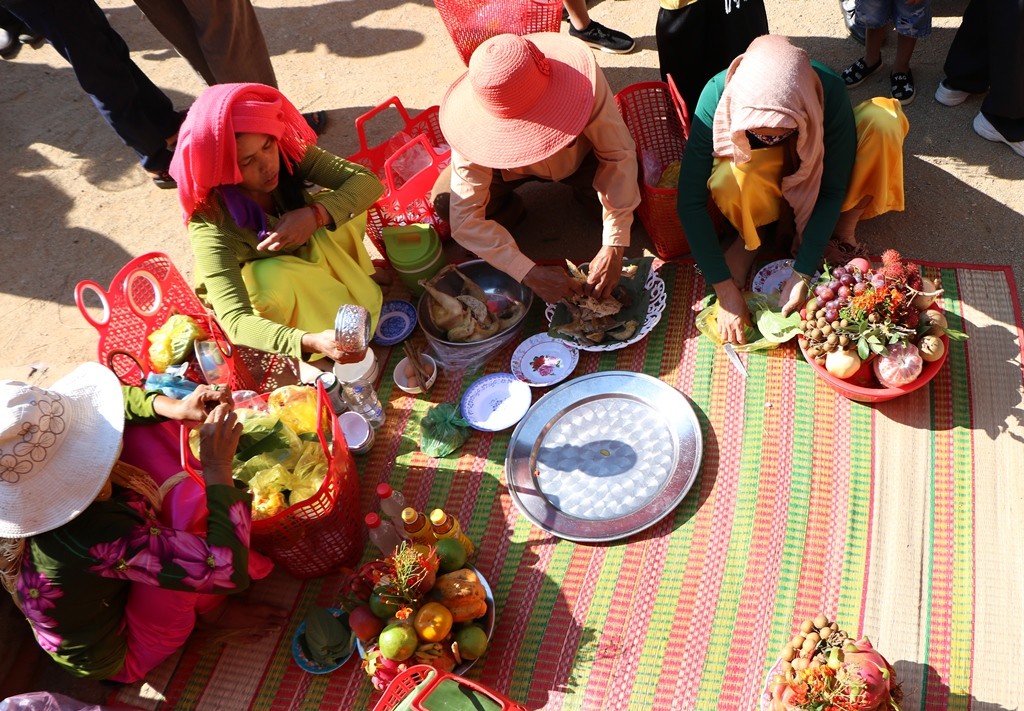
<point>535,107</point>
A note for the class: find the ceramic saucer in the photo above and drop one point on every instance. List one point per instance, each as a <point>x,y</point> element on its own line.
<point>397,321</point>
<point>496,402</point>
<point>541,360</point>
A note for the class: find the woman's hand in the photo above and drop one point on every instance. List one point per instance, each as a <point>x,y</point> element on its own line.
<point>196,406</point>
<point>551,283</point>
<point>794,293</point>
<point>324,343</point>
<point>218,440</point>
<point>293,229</point>
<point>733,314</point>
<point>605,271</point>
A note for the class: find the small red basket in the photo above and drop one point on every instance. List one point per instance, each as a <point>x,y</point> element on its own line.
<point>323,533</point>
<point>659,125</point>
<point>141,297</point>
<point>406,198</point>
<point>407,682</point>
<point>471,22</point>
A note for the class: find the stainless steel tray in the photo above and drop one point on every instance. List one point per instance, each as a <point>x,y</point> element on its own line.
<point>604,456</point>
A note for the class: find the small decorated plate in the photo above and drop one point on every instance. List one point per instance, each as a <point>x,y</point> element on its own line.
<point>397,321</point>
<point>496,402</point>
<point>541,360</point>
<point>772,276</point>
<point>301,654</point>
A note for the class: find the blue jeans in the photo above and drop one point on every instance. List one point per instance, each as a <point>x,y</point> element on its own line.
<point>140,113</point>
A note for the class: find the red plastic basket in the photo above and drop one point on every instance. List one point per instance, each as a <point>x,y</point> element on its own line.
<point>323,533</point>
<point>141,297</point>
<point>406,199</point>
<point>659,127</point>
<point>407,682</point>
<point>471,22</point>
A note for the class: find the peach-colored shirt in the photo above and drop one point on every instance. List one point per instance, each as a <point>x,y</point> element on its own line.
<point>615,182</point>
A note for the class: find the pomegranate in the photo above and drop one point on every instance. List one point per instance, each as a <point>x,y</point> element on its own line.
<point>900,366</point>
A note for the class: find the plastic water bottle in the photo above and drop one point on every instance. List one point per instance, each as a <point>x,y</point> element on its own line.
<point>362,398</point>
<point>391,504</point>
<point>382,534</point>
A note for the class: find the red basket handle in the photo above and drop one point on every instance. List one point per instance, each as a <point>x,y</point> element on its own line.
<point>361,121</point>
<point>158,294</point>
<point>506,703</point>
<point>186,457</point>
<point>680,106</point>
<point>436,161</point>
<point>80,290</point>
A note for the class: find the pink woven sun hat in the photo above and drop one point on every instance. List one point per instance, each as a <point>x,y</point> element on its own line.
<point>522,100</point>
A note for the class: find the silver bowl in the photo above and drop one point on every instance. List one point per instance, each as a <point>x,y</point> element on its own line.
<point>494,282</point>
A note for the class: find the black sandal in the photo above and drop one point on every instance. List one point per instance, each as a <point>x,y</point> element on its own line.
<point>317,121</point>
<point>858,72</point>
<point>901,86</point>
<point>162,179</point>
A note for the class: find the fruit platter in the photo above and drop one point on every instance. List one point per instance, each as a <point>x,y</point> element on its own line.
<point>874,334</point>
<point>421,605</point>
<point>822,667</point>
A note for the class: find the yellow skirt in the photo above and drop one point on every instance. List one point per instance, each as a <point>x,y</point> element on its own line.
<point>750,194</point>
<point>304,289</point>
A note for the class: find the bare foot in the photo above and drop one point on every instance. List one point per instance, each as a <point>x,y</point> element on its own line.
<point>243,621</point>
<point>740,260</point>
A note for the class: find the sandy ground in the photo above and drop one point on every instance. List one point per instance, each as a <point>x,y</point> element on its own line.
<point>78,206</point>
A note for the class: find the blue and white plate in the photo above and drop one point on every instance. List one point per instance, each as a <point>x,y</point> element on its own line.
<point>496,402</point>
<point>302,658</point>
<point>397,321</point>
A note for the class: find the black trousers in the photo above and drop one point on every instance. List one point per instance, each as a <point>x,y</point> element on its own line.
<point>701,39</point>
<point>988,53</point>
<point>139,112</point>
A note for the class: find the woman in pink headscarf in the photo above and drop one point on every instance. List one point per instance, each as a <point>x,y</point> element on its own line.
<point>273,261</point>
<point>787,160</point>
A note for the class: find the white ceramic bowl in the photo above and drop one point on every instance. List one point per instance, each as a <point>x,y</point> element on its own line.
<point>403,382</point>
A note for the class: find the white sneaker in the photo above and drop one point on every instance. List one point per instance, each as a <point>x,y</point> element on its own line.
<point>984,128</point>
<point>950,97</point>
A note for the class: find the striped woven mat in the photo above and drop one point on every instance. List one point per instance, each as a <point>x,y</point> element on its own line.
<point>901,520</point>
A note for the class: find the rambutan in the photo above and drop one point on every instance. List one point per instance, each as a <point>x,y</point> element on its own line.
<point>891,256</point>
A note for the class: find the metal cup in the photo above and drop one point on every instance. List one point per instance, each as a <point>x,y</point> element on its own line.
<point>352,329</point>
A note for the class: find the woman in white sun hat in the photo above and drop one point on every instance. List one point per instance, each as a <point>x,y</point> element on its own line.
<point>109,589</point>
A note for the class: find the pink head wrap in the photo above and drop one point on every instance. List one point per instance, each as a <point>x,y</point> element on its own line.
<point>206,154</point>
<point>773,85</point>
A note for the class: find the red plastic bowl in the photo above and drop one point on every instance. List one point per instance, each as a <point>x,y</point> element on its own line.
<point>863,386</point>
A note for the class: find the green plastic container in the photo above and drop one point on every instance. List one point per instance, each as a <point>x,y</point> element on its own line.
<point>415,253</point>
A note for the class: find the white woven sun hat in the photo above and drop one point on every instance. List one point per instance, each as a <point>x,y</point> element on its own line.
<point>57,447</point>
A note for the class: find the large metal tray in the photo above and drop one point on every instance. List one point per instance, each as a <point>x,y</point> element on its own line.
<point>604,456</point>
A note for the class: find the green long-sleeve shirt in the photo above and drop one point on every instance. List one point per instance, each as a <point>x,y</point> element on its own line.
<point>220,247</point>
<point>840,138</point>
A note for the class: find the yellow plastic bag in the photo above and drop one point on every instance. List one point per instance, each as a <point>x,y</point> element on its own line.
<point>309,473</point>
<point>763,311</point>
<point>171,344</point>
<point>295,405</point>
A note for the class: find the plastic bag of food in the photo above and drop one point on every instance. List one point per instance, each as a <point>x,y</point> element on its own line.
<point>296,406</point>
<point>764,311</point>
<point>172,342</point>
<point>262,434</point>
<point>309,473</point>
<point>443,430</point>
<point>268,491</point>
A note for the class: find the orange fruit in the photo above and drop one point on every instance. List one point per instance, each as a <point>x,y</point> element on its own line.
<point>432,622</point>
<point>472,641</point>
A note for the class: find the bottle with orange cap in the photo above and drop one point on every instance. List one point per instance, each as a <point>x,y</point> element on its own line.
<point>417,527</point>
<point>445,526</point>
